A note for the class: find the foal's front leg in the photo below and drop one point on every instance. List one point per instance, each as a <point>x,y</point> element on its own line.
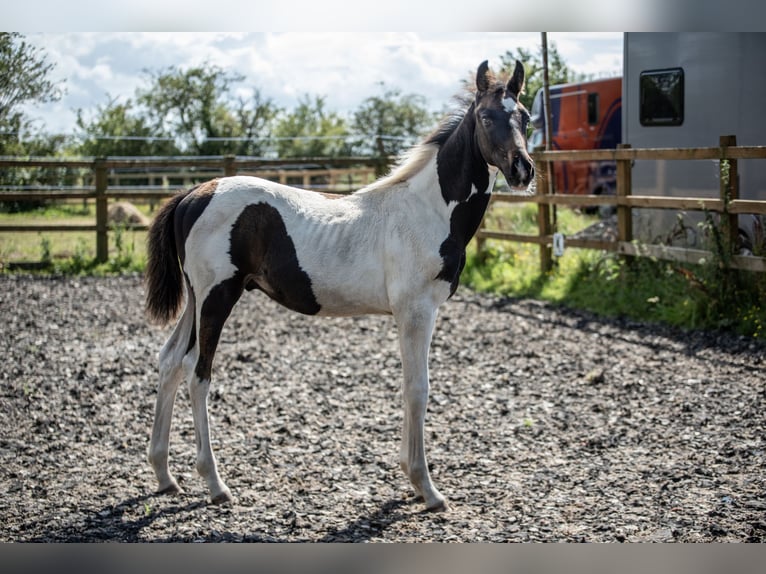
<point>415,331</point>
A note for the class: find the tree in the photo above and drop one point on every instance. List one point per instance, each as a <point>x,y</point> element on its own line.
<point>196,106</point>
<point>558,71</point>
<point>391,122</point>
<point>24,78</point>
<point>117,129</point>
<point>310,130</point>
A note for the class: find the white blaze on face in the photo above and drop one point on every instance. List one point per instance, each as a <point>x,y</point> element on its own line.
<point>509,105</point>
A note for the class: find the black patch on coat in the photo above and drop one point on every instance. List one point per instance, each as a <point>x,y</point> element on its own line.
<point>464,222</point>
<point>264,254</point>
<point>215,310</point>
<point>193,334</point>
<point>460,166</point>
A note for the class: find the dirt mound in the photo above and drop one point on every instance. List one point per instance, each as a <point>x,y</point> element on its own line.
<point>126,213</point>
<point>543,425</point>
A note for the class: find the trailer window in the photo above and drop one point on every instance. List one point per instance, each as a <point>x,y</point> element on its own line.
<point>662,97</point>
<point>593,109</point>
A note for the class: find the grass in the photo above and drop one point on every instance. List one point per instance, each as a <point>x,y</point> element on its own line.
<point>646,289</point>
<point>72,252</point>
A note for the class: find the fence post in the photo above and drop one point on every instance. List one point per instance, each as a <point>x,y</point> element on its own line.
<point>544,174</point>
<point>228,165</point>
<point>729,183</point>
<point>624,189</point>
<point>102,223</point>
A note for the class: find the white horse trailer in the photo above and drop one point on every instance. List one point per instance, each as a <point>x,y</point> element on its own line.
<point>687,90</point>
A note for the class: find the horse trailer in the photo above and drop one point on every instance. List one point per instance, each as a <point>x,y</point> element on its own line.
<point>683,90</point>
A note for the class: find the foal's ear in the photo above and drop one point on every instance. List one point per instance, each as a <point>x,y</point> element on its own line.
<point>483,80</point>
<point>516,83</point>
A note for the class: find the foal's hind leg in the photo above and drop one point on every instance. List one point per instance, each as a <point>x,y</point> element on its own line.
<point>416,327</point>
<point>212,316</point>
<point>172,372</point>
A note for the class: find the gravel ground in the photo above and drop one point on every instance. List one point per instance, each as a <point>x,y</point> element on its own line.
<point>543,425</point>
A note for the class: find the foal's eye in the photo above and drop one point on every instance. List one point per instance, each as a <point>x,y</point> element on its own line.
<point>487,122</point>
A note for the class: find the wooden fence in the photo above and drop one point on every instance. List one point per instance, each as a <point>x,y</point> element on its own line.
<point>104,172</point>
<point>104,179</point>
<point>727,204</point>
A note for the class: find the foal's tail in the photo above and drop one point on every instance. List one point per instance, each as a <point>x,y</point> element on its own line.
<point>164,281</point>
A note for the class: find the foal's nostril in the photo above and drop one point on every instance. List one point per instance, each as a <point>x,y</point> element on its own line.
<point>523,166</point>
<point>526,168</point>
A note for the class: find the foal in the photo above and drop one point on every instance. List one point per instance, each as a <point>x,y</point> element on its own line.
<point>395,247</point>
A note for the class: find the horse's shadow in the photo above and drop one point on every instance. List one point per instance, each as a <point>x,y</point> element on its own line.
<point>116,522</point>
<point>366,527</point>
<point>124,522</point>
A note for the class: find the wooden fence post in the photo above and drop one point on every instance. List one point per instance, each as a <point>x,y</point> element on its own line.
<point>729,184</point>
<point>624,189</point>
<point>544,215</point>
<point>229,168</point>
<point>102,223</point>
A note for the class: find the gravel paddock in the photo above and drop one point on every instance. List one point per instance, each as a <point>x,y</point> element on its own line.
<point>543,425</point>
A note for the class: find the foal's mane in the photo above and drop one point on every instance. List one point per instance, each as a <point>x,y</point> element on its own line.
<point>415,159</point>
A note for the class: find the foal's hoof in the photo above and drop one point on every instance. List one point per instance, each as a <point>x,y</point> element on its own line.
<point>222,498</point>
<point>170,489</point>
<point>439,506</point>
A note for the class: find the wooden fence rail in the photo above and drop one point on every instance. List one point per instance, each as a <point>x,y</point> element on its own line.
<point>101,177</point>
<point>727,204</point>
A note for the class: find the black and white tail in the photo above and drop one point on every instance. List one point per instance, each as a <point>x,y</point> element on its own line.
<point>164,280</point>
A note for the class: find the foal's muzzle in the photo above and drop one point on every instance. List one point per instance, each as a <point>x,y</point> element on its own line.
<point>522,170</point>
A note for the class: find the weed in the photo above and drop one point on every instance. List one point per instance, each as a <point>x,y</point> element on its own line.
<point>45,250</point>
<point>27,389</point>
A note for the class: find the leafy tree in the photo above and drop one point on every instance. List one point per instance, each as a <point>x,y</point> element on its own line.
<point>394,120</point>
<point>24,78</point>
<point>118,129</point>
<point>195,105</point>
<point>255,119</point>
<point>310,130</point>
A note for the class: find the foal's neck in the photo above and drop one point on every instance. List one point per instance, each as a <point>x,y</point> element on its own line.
<point>460,165</point>
<point>461,170</point>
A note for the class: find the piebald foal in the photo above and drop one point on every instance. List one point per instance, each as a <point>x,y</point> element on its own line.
<point>395,247</point>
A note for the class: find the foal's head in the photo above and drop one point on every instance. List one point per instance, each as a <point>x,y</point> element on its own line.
<point>501,125</point>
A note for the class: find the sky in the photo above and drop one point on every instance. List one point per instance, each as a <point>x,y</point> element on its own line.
<point>344,68</point>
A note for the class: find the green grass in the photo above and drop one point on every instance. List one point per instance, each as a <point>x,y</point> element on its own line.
<point>686,296</point>
<point>72,252</point>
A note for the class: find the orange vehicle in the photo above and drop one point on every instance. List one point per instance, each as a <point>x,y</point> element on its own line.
<point>584,115</point>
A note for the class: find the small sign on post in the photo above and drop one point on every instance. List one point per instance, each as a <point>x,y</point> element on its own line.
<point>558,244</point>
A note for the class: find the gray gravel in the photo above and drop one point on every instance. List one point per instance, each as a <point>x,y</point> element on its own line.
<point>543,425</point>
